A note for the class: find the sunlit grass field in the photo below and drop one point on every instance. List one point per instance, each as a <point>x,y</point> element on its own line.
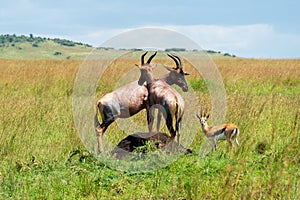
<point>42,156</point>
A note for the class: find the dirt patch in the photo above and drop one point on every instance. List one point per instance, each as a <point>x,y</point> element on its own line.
<point>132,142</point>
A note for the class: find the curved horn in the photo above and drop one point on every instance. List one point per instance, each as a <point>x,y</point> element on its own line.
<point>176,61</point>
<point>151,57</point>
<point>201,112</point>
<point>179,60</point>
<point>142,58</point>
<point>205,113</point>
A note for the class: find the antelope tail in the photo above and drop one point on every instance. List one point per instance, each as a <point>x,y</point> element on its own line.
<point>234,132</point>
<point>96,120</point>
<point>175,117</point>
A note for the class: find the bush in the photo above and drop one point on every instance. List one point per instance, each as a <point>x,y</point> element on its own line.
<point>175,49</point>
<point>211,51</point>
<point>36,39</point>
<point>57,53</point>
<point>136,49</point>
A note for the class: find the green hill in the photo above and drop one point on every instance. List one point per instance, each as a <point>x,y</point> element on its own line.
<point>12,46</point>
<point>31,47</point>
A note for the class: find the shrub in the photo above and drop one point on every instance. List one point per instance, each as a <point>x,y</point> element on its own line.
<point>57,53</point>
<point>175,49</point>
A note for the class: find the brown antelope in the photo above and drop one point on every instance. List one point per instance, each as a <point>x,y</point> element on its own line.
<point>222,132</point>
<point>129,99</point>
<point>175,76</point>
<point>165,97</point>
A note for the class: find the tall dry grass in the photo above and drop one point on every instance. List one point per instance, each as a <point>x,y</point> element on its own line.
<point>43,157</point>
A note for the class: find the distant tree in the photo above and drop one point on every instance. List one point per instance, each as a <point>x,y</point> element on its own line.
<point>107,48</point>
<point>57,53</point>
<point>6,38</point>
<point>174,49</point>
<point>211,51</point>
<point>23,38</point>
<point>136,49</point>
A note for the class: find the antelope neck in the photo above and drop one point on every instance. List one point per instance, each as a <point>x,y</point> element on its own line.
<point>204,127</point>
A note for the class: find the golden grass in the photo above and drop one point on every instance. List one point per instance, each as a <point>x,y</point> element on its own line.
<point>259,69</point>
<point>263,98</point>
<point>230,69</point>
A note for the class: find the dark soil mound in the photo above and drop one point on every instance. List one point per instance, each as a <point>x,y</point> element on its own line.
<point>131,142</point>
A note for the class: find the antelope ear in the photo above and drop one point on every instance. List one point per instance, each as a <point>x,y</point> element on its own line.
<point>186,73</point>
<point>169,68</point>
<point>198,116</point>
<point>207,116</point>
<point>137,66</point>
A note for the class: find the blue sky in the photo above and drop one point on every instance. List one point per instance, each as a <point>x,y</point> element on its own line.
<point>260,29</point>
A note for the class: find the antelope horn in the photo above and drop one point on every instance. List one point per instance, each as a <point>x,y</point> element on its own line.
<point>151,57</point>
<point>176,61</point>
<point>142,58</point>
<point>179,60</point>
<point>200,111</point>
<point>205,113</point>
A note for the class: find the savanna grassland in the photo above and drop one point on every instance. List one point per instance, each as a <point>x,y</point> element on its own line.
<point>42,156</point>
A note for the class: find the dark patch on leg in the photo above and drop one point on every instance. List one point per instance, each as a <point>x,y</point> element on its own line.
<point>109,117</point>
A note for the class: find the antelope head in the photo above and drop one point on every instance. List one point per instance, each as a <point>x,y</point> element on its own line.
<point>203,117</point>
<point>146,70</point>
<point>177,75</point>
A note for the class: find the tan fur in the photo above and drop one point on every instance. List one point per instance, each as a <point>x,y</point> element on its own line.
<point>214,133</point>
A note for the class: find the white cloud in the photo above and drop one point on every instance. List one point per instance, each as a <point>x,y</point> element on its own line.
<point>242,40</point>
<point>96,38</point>
<point>257,40</point>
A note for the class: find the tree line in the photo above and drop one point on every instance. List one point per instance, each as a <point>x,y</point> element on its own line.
<point>7,38</point>
<point>35,40</point>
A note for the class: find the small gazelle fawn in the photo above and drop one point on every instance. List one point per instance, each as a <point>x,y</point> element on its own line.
<point>227,132</point>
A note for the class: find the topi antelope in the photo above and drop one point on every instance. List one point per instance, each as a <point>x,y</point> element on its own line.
<point>129,99</point>
<point>175,76</point>
<point>222,132</point>
<point>161,94</point>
